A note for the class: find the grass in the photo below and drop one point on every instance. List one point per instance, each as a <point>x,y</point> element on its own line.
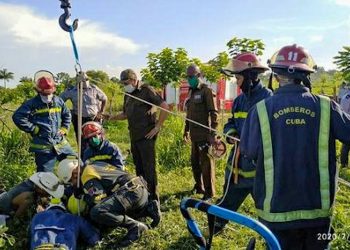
<point>175,182</point>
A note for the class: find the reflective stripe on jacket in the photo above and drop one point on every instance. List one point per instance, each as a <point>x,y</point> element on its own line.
<point>292,136</point>
<point>107,152</point>
<point>43,121</point>
<point>57,227</point>
<point>242,104</point>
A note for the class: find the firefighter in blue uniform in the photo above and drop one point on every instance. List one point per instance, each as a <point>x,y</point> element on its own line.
<point>246,67</point>
<point>99,148</point>
<point>291,136</point>
<point>46,118</point>
<point>55,228</point>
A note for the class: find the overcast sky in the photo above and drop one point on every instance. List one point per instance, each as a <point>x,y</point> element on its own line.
<point>118,34</point>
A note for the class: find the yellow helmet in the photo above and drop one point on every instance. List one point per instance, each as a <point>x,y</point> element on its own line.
<point>75,205</point>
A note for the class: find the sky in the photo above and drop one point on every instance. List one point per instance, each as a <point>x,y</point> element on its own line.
<point>118,34</point>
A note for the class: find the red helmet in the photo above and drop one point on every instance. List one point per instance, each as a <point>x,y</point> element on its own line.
<point>45,86</point>
<point>244,61</point>
<point>90,129</point>
<point>44,82</point>
<point>293,57</point>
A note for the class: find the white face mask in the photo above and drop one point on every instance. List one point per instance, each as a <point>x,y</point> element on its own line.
<point>46,98</point>
<point>129,88</point>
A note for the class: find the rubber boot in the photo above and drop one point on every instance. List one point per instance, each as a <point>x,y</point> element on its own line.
<point>153,211</point>
<point>135,229</point>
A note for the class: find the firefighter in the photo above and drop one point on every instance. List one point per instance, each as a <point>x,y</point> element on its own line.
<point>46,118</point>
<point>99,148</point>
<point>201,107</point>
<point>240,172</point>
<point>55,228</point>
<point>143,126</point>
<point>291,137</point>
<point>114,197</point>
<point>31,191</point>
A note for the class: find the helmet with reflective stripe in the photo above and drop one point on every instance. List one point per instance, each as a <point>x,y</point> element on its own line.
<point>291,58</point>
<point>44,82</point>
<point>90,129</point>
<point>242,62</point>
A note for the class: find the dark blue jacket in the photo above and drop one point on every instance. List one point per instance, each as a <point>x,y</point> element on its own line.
<point>294,118</point>
<point>242,104</point>
<point>107,152</point>
<point>56,226</point>
<point>43,121</point>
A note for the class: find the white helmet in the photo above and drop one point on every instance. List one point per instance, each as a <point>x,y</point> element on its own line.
<point>48,182</point>
<point>65,169</point>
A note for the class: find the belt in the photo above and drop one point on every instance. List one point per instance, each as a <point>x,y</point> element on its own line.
<point>132,184</point>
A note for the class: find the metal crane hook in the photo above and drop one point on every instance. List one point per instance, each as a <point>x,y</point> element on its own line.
<point>65,5</point>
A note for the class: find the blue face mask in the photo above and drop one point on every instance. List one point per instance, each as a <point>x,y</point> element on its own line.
<point>94,142</point>
<point>193,81</point>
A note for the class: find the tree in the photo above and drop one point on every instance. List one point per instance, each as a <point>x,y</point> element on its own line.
<point>65,79</point>
<point>342,60</point>
<point>6,76</point>
<point>238,45</point>
<point>98,76</point>
<point>168,66</point>
<point>212,69</point>
<point>25,79</point>
<point>114,79</point>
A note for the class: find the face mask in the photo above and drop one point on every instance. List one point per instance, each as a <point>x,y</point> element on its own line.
<point>193,82</point>
<point>46,98</point>
<point>129,88</point>
<point>94,142</point>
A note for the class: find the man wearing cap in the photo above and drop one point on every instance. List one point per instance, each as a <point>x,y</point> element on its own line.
<point>143,126</point>
<point>94,102</point>
<point>46,118</point>
<point>201,107</point>
<point>54,228</point>
<point>20,198</point>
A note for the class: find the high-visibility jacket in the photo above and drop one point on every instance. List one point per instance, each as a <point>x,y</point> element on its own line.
<point>55,227</point>
<point>291,136</point>
<point>43,121</point>
<point>241,105</point>
<point>107,152</point>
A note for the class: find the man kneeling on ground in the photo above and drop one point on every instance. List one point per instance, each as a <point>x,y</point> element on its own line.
<point>114,196</point>
<point>20,198</point>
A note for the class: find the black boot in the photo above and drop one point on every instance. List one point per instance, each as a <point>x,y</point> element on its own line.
<point>153,211</point>
<point>135,229</point>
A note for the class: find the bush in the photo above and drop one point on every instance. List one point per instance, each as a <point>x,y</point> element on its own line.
<point>16,163</point>
<point>172,152</point>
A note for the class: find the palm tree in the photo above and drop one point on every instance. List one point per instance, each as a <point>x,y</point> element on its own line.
<point>6,76</point>
<point>25,79</point>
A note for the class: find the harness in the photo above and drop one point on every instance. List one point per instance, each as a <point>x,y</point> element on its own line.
<point>130,185</point>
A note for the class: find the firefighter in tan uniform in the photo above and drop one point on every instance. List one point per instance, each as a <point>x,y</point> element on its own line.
<point>201,108</point>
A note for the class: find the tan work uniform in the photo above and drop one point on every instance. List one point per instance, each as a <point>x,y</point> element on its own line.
<point>201,107</point>
<point>142,119</point>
